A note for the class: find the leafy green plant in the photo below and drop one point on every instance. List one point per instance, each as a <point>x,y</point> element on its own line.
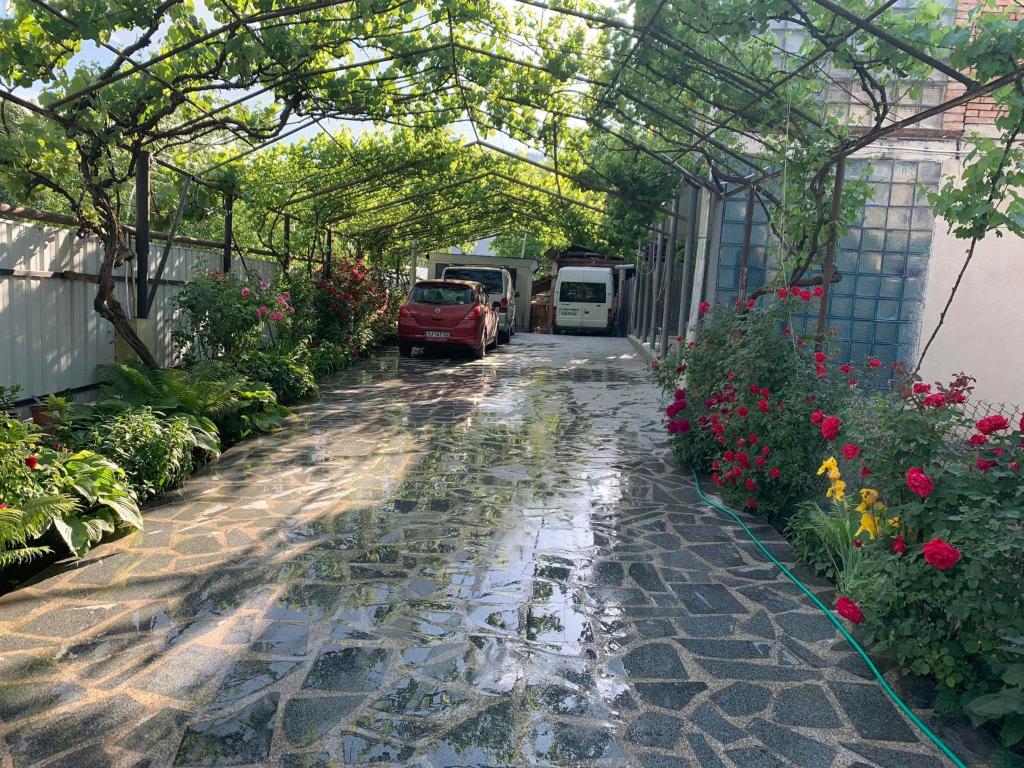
<point>287,374</point>
<point>1007,704</point>
<point>155,451</point>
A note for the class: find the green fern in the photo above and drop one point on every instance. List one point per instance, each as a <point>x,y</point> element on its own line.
<point>28,521</point>
<point>22,555</point>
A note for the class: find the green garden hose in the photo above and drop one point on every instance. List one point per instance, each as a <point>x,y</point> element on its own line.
<point>849,638</point>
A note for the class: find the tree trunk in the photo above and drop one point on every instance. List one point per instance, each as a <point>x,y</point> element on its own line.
<point>115,253</point>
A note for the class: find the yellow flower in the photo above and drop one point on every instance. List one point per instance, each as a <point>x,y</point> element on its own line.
<point>869,523</point>
<point>837,490</point>
<point>894,521</point>
<point>828,465</point>
<point>868,498</point>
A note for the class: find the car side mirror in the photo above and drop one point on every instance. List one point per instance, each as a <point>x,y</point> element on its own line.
<point>496,305</point>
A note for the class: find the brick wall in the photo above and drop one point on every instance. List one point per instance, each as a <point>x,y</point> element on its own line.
<point>982,111</point>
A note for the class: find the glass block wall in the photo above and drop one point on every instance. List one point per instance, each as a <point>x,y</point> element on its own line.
<point>876,308</point>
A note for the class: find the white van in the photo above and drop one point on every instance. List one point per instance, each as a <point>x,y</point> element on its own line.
<point>584,299</point>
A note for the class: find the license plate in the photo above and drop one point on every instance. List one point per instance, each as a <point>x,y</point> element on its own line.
<point>437,334</point>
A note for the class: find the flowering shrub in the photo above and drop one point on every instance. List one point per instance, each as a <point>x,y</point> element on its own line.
<point>924,541</point>
<point>225,315</point>
<point>286,374</point>
<point>354,296</point>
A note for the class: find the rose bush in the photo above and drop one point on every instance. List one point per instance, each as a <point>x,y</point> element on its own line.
<point>920,518</point>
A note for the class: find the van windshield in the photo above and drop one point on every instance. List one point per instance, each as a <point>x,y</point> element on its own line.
<point>586,293</point>
<point>490,278</point>
<point>435,293</point>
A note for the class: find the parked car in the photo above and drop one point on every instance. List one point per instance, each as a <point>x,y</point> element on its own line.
<point>498,283</point>
<point>584,299</point>
<point>448,313</point>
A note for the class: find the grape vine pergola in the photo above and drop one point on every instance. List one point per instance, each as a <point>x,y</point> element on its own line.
<point>244,105</point>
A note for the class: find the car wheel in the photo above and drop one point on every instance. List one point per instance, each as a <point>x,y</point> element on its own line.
<point>404,349</point>
<point>480,350</point>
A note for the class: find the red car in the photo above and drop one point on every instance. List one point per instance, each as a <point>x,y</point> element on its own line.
<point>448,313</point>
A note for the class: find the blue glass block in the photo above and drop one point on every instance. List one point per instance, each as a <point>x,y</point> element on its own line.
<point>728,298</point>
<point>850,238</point>
<point>735,209</point>
<point>872,240</point>
<point>846,261</point>
<point>920,242</point>
<point>840,306</point>
<point>880,194</point>
<point>870,263</point>
<point>860,351</point>
<point>845,287</point>
<point>908,333</point>
<point>893,264</point>
<point>910,311</point>
<point>922,219</point>
<point>867,285</point>
<point>902,194</point>
<point>865,309</point>
<point>881,170</point>
<point>729,255</point>
<point>887,333</point>
<point>758,255</point>
<point>841,349</point>
<point>755,277</point>
<point>874,216</point>
<point>890,287</point>
<point>913,288</point>
<point>921,193</point>
<point>732,233</point>
<point>899,218</point>
<point>841,326</point>
<point>888,309</point>
<point>929,171</point>
<point>917,266</point>
<point>897,241</point>
<point>863,330</point>
<point>728,278</point>
<point>904,170</point>
<point>759,233</point>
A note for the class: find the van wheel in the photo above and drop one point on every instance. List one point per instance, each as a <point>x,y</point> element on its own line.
<point>404,349</point>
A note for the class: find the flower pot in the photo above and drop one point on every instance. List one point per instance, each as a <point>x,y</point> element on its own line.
<point>41,415</point>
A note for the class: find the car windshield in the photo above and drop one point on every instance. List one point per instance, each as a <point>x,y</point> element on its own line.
<point>590,293</point>
<point>435,293</point>
<point>491,280</point>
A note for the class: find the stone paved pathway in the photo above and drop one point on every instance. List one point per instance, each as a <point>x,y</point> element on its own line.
<point>446,563</point>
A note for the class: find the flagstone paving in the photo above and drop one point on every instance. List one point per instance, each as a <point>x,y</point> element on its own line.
<point>442,563</point>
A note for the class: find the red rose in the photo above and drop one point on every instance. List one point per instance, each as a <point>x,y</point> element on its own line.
<point>1014,465</point>
<point>936,400</point>
<point>743,459</point>
<point>729,455</point>
<point>819,291</point>
<point>864,471</point>
<point>921,388</point>
<point>851,451</point>
<point>846,368</point>
<point>919,482</point>
<point>978,439</point>
<point>742,410</point>
<point>765,450</point>
<point>750,485</point>
<point>764,391</point>
<point>752,439</point>
<point>760,461</point>
<point>819,357</point>
<point>874,362</point>
<point>849,610</point>
<point>704,307</point>
<point>782,293</point>
<point>858,543</point>
<point>820,371</point>
<point>680,427</point>
<point>817,417</point>
<point>830,427</point>
<point>774,473</point>
<point>985,464</point>
<point>991,424</point>
<point>899,545</point>
<point>31,462</point>
<point>762,405</point>
<point>680,394</point>
<point>752,503</point>
<point>956,397</point>
<point>750,303</point>
<point>941,555</point>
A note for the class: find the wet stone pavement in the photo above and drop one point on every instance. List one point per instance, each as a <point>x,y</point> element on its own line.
<point>441,563</point>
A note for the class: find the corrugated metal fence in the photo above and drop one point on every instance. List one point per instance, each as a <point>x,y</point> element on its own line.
<point>51,338</point>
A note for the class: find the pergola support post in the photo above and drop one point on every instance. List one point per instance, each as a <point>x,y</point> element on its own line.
<point>229,231</point>
<point>670,257</point>
<point>828,264</point>
<point>686,287</point>
<point>656,284</point>
<point>142,179</point>
<point>748,226</point>
<point>329,258</point>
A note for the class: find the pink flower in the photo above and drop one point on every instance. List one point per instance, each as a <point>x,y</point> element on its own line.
<point>762,405</point>
<point>742,410</point>
<point>939,554</point>
<point>774,473</point>
<point>899,545</point>
<point>245,293</point>
<point>262,311</point>
<point>849,610</point>
<point>679,394</point>
<point>935,400</point>
<point>264,285</point>
<point>680,427</point>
